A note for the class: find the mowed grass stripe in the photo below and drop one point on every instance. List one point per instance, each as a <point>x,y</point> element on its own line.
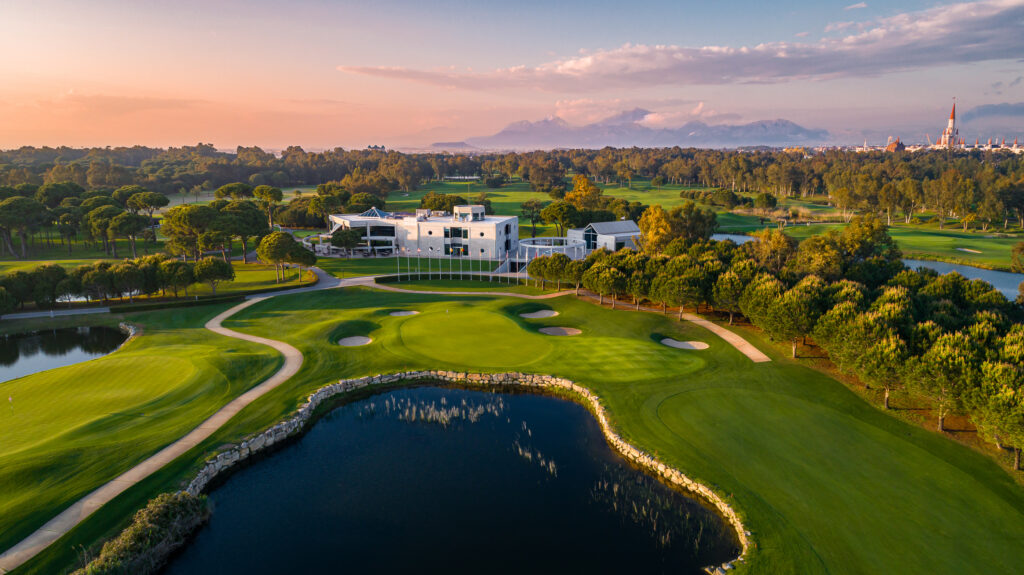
<point>74,428</point>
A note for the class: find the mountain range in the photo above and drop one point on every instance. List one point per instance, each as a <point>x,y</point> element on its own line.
<point>626,129</point>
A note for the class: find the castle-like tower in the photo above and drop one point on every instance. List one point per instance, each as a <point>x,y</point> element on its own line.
<point>949,135</point>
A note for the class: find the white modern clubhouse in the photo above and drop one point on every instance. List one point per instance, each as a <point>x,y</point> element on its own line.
<point>468,232</point>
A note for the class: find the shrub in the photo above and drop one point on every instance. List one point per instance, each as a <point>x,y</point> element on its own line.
<point>157,530</point>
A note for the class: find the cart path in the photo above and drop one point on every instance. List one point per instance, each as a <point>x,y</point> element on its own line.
<point>68,519</point>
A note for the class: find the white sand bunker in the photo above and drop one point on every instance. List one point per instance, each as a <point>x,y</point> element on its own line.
<point>539,314</point>
<point>560,331</point>
<point>684,344</point>
<point>354,341</point>
<point>969,250</point>
<point>404,312</point>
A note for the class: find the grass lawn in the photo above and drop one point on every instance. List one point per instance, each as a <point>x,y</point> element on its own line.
<point>827,483</point>
<point>472,285</point>
<point>71,429</point>
<point>355,267</point>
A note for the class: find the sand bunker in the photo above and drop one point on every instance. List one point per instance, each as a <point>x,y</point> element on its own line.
<point>539,314</point>
<point>560,331</point>
<point>401,313</point>
<point>969,250</point>
<point>354,341</point>
<point>684,344</point>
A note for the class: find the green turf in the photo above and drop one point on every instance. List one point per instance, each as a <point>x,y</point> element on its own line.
<point>71,429</point>
<point>498,284</point>
<point>826,482</point>
<point>355,267</point>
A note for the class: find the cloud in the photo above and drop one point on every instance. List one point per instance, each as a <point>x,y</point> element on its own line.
<point>952,34</point>
<point>1006,110</point>
<point>802,34</point>
<point>856,6</point>
<point>105,104</point>
<point>1016,81</point>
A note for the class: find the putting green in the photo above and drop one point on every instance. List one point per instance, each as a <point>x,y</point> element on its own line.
<point>466,336</point>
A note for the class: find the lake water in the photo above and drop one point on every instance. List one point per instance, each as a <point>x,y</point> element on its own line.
<point>26,353</point>
<point>443,480</point>
<point>1005,282</point>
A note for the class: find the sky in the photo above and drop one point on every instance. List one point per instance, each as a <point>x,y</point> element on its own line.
<point>327,73</point>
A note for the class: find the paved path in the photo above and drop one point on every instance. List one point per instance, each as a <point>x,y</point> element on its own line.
<point>733,338</point>
<point>83,508</point>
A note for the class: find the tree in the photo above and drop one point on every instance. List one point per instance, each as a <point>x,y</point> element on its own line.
<point>1017,258</point>
<point>215,240</point>
<point>268,198</point>
<point>235,191</point>
<point>584,195</point>
<point>6,302</point>
<point>21,215</point>
<point>45,280</point>
<point>882,364</point>
<point>655,230</point>
<point>555,268</point>
<point>127,225</point>
<point>324,206</point>
<point>560,213</point>
<point>638,285</point>
<point>213,271</point>
<point>765,202</point>
<point>242,219</point>
<point>148,202</point>
<point>538,269</point>
<point>184,224</point>
<point>362,201</point>
<point>124,193</point>
<point>127,279</point>
<point>98,224</point>
<point>772,249</point>
<point>574,273</point>
<point>346,239</point>
<point>727,292</point>
<point>176,275</point>
<point>531,210</point>
<point>276,248</point>
<point>692,223</point>
<point>944,371</point>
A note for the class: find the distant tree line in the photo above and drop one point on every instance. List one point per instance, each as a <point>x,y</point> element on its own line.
<point>49,284</point>
<point>957,342</point>
<point>984,188</point>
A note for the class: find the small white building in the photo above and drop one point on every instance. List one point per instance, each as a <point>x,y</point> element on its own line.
<point>468,232</point>
<point>611,235</point>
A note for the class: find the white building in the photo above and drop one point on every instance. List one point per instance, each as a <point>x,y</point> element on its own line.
<point>612,235</point>
<point>468,232</point>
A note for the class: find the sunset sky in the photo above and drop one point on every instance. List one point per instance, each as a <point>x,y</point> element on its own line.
<point>333,73</point>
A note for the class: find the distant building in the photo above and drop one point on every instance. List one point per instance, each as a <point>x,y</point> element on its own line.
<point>950,136</point>
<point>895,146</point>
<point>612,235</point>
<point>468,232</point>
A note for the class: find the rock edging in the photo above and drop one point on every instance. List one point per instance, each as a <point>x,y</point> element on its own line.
<point>132,330</point>
<point>295,424</point>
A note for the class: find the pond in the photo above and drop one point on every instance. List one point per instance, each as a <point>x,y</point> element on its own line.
<point>26,353</point>
<point>446,480</point>
<point>1005,282</point>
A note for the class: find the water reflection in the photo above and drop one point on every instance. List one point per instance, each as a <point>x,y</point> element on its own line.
<point>441,480</point>
<point>26,353</point>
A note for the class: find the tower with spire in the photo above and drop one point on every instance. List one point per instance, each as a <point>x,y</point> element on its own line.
<point>950,135</point>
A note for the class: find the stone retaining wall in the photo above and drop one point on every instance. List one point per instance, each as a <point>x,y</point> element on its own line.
<point>295,424</point>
